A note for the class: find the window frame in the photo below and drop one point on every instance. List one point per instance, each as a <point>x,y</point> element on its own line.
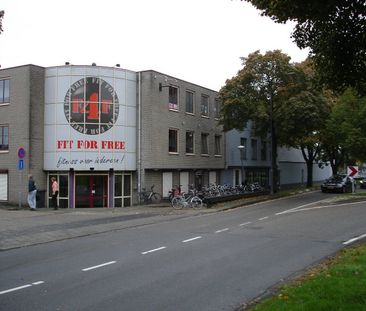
<point>254,147</point>
<point>243,153</point>
<point>217,108</point>
<point>204,144</point>
<point>193,95</point>
<point>204,113</point>
<point>5,82</point>
<point>263,150</point>
<point>192,147</point>
<point>176,141</point>
<point>218,140</point>
<point>4,150</point>
<point>173,106</point>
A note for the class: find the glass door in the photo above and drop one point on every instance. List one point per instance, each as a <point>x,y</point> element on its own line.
<point>91,191</point>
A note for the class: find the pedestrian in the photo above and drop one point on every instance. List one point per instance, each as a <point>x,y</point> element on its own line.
<point>55,190</point>
<point>32,192</point>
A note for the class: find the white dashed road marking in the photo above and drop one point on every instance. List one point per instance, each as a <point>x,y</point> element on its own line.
<point>245,223</point>
<point>222,230</point>
<point>263,218</point>
<point>192,239</point>
<point>99,266</point>
<point>20,287</point>
<point>153,250</point>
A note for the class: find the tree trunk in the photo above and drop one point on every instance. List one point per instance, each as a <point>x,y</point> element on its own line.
<point>309,166</point>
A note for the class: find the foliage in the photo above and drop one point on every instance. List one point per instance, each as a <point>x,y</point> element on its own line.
<point>344,136</point>
<point>1,21</point>
<point>333,30</point>
<point>269,88</point>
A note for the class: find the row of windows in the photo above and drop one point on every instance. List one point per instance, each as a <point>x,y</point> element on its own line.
<point>190,103</point>
<point>254,148</point>
<point>190,143</point>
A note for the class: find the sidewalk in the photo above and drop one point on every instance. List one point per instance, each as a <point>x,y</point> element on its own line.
<point>22,227</point>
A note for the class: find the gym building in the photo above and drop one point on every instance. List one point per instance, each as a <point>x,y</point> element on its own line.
<point>105,133</point>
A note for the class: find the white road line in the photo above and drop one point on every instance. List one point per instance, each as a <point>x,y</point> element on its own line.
<point>245,223</point>
<point>20,287</point>
<point>354,239</point>
<point>222,230</point>
<point>99,266</point>
<point>263,218</point>
<point>153,250</point>
<point>299,207</point>
<point>192,239</point>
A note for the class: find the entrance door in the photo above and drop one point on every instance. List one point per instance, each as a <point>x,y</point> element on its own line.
<point>91,191</point>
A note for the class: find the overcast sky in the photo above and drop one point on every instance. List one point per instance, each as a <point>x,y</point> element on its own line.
<point>200,41</point>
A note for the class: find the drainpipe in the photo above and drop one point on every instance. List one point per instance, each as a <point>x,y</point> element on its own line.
<point>139,137</point>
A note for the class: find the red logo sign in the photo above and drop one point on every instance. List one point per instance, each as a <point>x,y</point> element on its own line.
<point>91,106</point>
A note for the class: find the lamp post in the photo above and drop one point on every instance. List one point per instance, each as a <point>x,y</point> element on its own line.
<point>241,149</point>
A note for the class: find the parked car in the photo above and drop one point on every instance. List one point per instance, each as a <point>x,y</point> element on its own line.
<point>362,183</point>
<point>338,183</point>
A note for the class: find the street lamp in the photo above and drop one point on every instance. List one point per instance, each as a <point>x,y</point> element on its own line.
<point>241,149</point>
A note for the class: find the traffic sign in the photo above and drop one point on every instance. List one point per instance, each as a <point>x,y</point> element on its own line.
<point>352,171</point>
<point>20,164</point>
<point>21,153</point>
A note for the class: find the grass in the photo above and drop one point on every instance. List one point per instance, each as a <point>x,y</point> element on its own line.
<point>337,284</point>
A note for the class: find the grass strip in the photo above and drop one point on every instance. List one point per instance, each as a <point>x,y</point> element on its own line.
<point>337,284</point>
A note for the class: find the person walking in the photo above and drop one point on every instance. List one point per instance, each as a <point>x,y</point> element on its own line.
<point>32,192</point>
<point>55,190</point>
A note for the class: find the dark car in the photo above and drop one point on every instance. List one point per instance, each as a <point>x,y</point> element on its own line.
<point>363,183</point>
<point>338,183</point>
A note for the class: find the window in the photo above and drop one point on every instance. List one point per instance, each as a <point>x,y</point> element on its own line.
<point>243,152</point>
<point>122,190</point>
<point>204,105</point>
<point>3,186</point>
<point>4,91</point>
<point>4,137</point>
<point>173,98</point>
<point>204,143</point>
<point>173,140</point>
<point>217,144</point>
<point>217,108</point>
<point>190,142</point>
<point>189,102</point>
<point>254,149</point>
<point>264,151</point>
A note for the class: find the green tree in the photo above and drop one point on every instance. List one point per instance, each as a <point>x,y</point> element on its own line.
<point>333,30</point>
<point>344,136</point>
<point>256,93</point>
<point>1,21</point>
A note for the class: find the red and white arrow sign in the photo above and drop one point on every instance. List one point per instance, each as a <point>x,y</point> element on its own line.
<point>352,171</point>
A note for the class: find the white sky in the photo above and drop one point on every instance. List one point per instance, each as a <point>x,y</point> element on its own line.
<point>200,41</point>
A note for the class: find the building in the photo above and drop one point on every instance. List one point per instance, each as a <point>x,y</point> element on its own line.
<point>104,133</point>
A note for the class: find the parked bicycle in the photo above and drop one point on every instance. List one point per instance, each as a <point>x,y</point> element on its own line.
<point>149,197</point>
<point>187,200</point>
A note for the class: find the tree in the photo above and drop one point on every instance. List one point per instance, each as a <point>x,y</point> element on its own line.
<point>333,30</point>
<point>256,93</point>
<point>1,21</point>
<point>344,136</point>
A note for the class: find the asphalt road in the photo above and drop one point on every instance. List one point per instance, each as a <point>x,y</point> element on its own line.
<point>209,262</point>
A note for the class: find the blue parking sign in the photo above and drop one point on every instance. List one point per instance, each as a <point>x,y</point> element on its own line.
<point>20,164</point>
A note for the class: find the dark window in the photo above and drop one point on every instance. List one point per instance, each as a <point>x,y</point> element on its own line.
<point>173,98</point>
<point>173,140</point>
<point>204,105</point>
<point>243,152</point>
<point>4,91</point>
<point>254,149</point>
<point>264,151</point>
<point>4,137</point>
<point>217,108</point>
<point>204,143</point>
<point>189,102</point>
<point>217,145</point>
<point>189,142</point>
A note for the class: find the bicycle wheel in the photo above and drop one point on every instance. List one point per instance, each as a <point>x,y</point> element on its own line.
<point>177,203</point>
<point>196,202</point>
<point>155,198</point>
